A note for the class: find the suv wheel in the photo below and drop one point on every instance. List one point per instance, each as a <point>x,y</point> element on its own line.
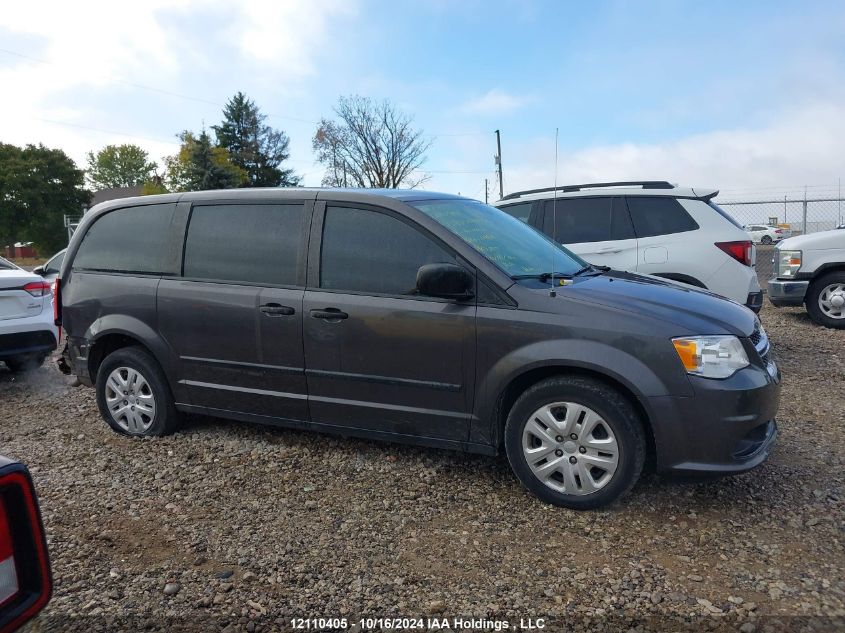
<point>133,395</point>
<point>575,442</point>
<point>766,239</point>
<point>25,362</point>
<point>826,300</point>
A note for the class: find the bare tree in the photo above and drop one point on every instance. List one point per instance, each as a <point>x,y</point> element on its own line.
<point>371,144</point>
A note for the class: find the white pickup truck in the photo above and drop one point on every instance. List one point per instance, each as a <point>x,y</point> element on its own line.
<point>810,271</point>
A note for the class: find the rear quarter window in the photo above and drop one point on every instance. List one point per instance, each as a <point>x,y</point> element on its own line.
<point>129,240</point>
<point>521,211</point>
<point>659,216</point>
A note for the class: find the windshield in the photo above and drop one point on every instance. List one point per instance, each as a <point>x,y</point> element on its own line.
<point>512,245</point>
<point>5,265</point>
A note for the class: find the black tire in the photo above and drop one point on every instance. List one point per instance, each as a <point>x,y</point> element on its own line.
<point>166,418</point>
<point>811,301</point>
<point>766,239</point>
<point>25,362</point>
<point>612,407</point>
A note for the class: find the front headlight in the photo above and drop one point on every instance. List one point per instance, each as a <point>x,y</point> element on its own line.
<point>711,356</point>
<point>788,262</point>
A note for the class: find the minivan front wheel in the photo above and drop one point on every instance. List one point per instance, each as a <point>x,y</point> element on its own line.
<point>133,395</point>
<point>575,442</point>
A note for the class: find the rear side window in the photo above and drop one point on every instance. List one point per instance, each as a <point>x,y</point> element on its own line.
<point>247,243</point>
<point>371,252</point>
<point>659,216</point>
<point>724,214</point>
<point>130,240</point>
<point>519,211</point>
<point>577,220</point>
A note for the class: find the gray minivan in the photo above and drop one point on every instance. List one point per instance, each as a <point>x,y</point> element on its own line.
<point>410,316</point>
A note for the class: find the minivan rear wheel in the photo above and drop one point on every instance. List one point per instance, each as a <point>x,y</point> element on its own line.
<point>133,395</point>
<point>575,442</point>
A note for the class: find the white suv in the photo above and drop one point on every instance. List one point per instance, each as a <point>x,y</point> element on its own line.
<point>27,321</point>
<point>649,227</point>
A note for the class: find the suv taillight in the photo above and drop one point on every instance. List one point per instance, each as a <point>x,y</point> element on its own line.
<point>778,231</point>
<point>740,251</point>
<point>38,288</point>
<point>25,582</point>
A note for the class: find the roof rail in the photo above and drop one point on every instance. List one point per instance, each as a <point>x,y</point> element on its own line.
<point>645,184</point>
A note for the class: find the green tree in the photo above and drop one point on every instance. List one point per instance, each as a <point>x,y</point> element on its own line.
<point>38,187</point>
<point>200,165</point>
<point>120,166</point>
<point>254,146</point>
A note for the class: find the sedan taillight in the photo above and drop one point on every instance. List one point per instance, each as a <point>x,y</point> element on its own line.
<point>740,251</point>
<point>25,581</point>
<point>38,288</point>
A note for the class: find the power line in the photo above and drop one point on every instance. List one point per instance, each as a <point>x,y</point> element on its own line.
<point>162,91</point>
<point>102,131</point>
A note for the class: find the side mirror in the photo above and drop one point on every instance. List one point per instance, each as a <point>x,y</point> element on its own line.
<point>447,281</point>
<point>39,270</point>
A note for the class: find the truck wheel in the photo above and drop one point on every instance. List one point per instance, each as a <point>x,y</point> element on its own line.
<point>133,395</point>
<point>575,442</point>
<point>766,239</point>
<point>825,300</point>
<point>25,362</point>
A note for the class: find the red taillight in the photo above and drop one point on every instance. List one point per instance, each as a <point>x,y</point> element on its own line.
<point>740,251</point>
<point>25,582</point>
<point>778,230</point>
<point>8,570</point>
<point>38,288</point>
<point>57,308</point>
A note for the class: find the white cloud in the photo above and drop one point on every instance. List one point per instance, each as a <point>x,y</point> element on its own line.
<point>801,146</point>
<point>494,102</point>
<point>286,33</point>
<point>101,47</point>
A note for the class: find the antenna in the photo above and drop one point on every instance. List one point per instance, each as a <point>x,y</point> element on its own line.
<point>552,291</point>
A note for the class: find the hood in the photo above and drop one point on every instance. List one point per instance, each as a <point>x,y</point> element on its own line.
<point>814,241</point>
<point>695,311</point>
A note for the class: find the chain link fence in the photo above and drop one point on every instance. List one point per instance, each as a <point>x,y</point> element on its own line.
<point>792,214</point>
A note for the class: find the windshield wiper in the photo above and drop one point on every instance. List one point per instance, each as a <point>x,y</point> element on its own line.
<point>544,276</point>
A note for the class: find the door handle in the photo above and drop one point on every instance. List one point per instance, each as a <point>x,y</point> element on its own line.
<point>330,314</point>
<point>276,309</point>
<point>611,249</point>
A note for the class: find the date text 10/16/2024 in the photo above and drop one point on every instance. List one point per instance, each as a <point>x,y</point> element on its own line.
<point>417,624</point>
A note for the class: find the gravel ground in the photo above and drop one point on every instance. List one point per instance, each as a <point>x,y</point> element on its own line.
<point>236,527</point>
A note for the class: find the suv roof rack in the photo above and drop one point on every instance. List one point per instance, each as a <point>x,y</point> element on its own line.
<point>645,184</point>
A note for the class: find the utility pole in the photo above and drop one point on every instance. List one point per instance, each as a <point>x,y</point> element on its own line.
<point>499,163</point>
<point>485,191</point>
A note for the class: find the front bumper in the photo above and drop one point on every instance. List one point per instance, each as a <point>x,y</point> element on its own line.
<point>727,427</point>
<point>787,293</point>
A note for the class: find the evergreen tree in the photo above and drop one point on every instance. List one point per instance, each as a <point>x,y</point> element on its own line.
<point>254,146</point>
<point>200,166</point>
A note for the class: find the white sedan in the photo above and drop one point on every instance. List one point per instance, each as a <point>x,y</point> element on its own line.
<point>27,328</point>
<point>763,234</point>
